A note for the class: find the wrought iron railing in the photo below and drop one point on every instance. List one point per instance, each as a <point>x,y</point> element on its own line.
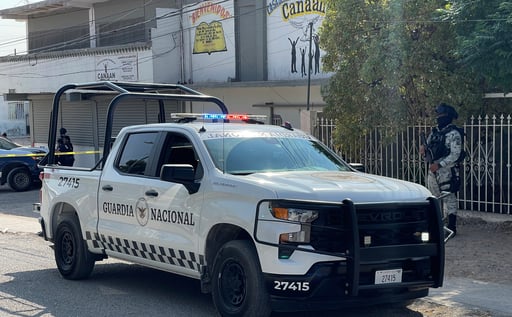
<point>487,168</point>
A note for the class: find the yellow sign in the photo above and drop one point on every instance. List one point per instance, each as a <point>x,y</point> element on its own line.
<point>209,38</point>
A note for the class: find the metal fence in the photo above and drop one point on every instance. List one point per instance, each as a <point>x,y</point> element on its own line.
<point>487,168</point>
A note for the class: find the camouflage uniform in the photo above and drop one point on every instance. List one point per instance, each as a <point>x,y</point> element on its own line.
<point>440,180</point>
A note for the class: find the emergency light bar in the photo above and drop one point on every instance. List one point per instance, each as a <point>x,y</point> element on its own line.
<point>219,116</point>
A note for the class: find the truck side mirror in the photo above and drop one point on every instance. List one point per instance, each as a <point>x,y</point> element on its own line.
<point>358,167</point>
<point>181,174</point>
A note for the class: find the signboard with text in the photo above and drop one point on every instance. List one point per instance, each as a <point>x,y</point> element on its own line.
<point>211,37</point>
<point>117,68</point>
<point>291,26</point>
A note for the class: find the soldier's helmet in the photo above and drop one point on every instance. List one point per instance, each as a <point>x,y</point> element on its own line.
<point>445,109</point>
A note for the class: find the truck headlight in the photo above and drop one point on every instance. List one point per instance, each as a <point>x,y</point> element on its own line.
<point>302,216</point>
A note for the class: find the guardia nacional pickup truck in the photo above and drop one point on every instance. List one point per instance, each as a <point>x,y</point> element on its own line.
<point>266,217</point>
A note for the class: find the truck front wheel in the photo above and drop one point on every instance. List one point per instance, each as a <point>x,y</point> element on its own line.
<point>238,288</point>
<point>73,259</point>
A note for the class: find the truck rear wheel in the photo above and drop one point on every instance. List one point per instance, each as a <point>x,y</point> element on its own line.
<point>73,259</point>
<point>19,179</point>
<point>238,286</point>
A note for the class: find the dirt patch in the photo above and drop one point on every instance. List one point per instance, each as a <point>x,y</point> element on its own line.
<point>481,250</point>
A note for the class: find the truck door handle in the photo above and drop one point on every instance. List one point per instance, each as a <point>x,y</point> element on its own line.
<point>152,193</point>
<point>107,188</point>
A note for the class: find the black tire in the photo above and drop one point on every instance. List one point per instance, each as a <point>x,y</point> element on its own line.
<point>73,259</point>
<point>238,288</point>
<point>19,179</point>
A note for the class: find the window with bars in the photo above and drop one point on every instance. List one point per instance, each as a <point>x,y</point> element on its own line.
<point>16,111</point>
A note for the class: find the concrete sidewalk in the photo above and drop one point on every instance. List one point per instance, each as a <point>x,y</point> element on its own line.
<point>488,217</point>
<point>16,224</point>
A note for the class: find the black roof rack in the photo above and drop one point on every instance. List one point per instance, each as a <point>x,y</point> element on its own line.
<point>121,91</point>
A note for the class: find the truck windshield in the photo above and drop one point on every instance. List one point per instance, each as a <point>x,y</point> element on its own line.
<point>244,156</point>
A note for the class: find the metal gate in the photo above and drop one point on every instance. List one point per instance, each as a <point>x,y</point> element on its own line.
<point>487,168</point>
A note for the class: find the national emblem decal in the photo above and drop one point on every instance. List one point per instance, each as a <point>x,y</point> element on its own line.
<point>142,211</point>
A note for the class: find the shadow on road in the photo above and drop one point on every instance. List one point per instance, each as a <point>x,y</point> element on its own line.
<point>122,289</point>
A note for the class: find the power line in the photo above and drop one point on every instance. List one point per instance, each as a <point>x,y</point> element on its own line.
<point>120,15</point>
<point>174,13</point>
<point>87,38</point>
<point>168,15</point>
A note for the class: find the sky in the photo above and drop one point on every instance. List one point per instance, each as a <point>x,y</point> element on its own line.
<point>12,33</point>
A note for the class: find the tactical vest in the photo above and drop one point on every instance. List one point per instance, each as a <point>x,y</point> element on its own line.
<point>437,143</point>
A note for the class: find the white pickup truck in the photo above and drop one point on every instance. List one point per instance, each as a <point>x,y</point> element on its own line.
<point>266,217</point>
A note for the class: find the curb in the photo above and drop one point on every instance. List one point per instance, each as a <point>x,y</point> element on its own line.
<point>466,217</point>
<point>18,224</point>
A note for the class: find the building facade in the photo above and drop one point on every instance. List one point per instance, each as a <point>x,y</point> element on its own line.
<point>258,56</point>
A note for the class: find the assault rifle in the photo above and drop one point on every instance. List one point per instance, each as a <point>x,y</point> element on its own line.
<point>427,155</point>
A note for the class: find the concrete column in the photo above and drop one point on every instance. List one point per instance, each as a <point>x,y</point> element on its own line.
<point>92,27</point>
<point>307,120</point>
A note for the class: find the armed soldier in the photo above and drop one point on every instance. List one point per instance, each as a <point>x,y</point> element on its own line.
<point>443,152</point>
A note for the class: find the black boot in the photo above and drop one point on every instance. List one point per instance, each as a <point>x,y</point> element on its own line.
<point>452,223</point>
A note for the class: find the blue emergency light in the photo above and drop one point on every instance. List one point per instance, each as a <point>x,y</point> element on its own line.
<point>221,116</point>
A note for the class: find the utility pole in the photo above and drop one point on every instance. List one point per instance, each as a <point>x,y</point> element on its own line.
<point>310,58</point>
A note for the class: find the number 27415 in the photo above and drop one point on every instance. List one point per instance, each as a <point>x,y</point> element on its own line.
<point>291,286</point>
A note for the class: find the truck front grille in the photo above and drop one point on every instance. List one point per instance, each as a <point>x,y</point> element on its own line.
<point>377,226</point>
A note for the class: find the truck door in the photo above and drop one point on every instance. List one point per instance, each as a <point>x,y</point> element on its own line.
<point>143,218</point>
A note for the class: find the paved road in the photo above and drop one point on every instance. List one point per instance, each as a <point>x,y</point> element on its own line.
<point>495,298</point>
<point>118,288</point>
<point>18,203</point>
<point>30,285</point>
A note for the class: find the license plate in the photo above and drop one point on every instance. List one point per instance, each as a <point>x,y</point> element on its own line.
<point>388,276</point>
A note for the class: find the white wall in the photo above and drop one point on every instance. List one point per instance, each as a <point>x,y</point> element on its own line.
<point>177,33</point>
<point>49,74</point>
<point>289,101</point>
<point>166,44</point>
<point>203,61</point>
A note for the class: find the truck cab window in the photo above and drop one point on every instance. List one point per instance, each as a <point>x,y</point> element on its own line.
<point>179,150</point>
<point>136,152</point>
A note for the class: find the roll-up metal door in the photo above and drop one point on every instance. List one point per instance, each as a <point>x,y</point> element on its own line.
<point>85,120</point>
<point>129,112</point>
<point>40,112</point>
<point>78,118</point>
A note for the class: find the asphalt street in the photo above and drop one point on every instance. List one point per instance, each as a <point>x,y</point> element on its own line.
<point>16,215</point>
<point>495,298</point>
